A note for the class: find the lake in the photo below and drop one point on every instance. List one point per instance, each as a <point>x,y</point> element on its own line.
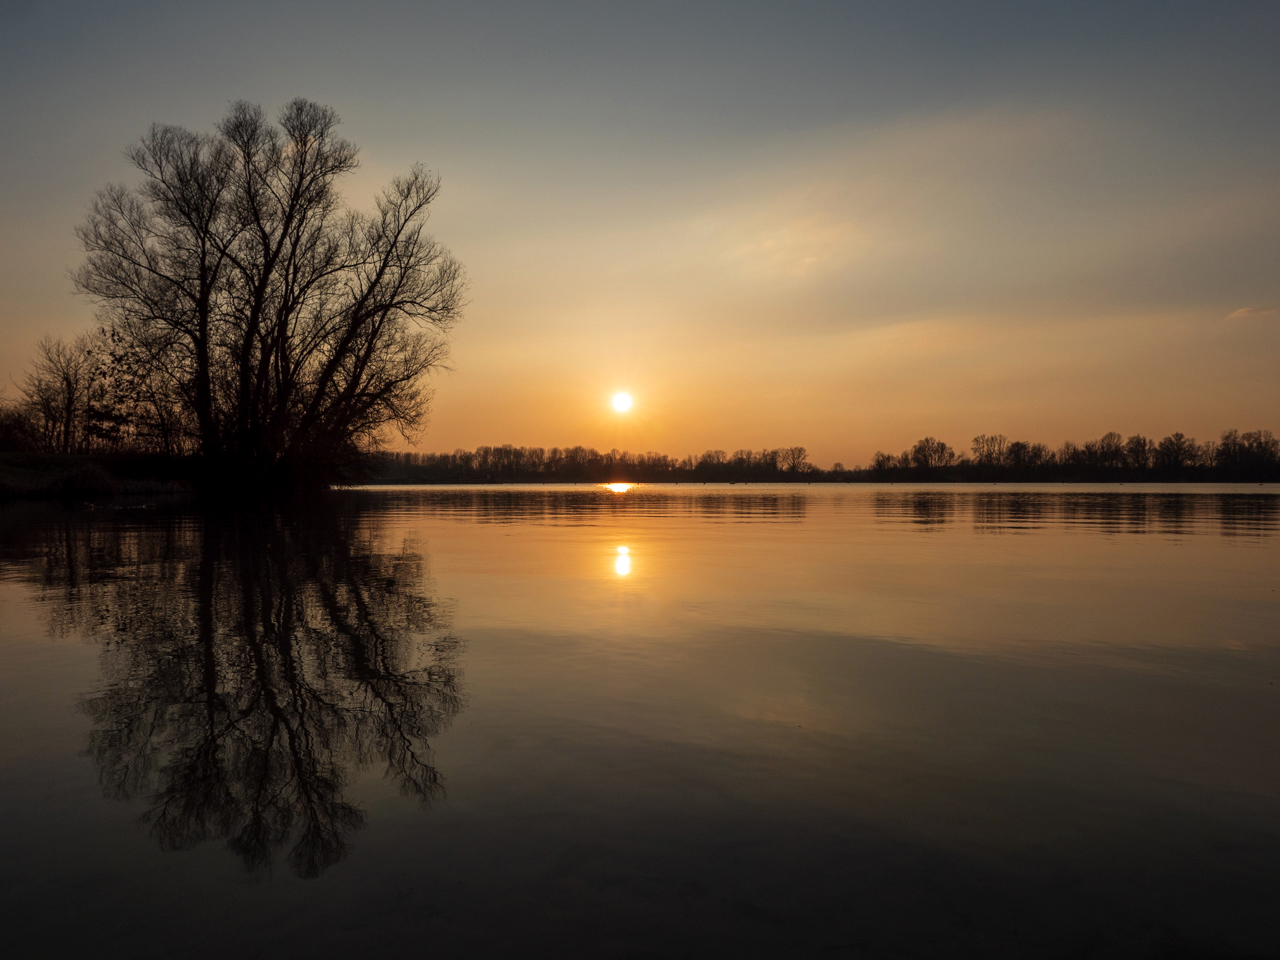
<point>656,721</point>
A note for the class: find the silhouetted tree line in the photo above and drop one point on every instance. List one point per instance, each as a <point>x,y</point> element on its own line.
<point>586,464</point>
<point>1235,457</point>
<point>245,316</point>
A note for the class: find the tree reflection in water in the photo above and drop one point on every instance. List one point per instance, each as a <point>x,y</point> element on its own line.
<point>251,666</point>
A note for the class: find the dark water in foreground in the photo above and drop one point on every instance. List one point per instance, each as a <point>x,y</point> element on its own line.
<point>786,721</point>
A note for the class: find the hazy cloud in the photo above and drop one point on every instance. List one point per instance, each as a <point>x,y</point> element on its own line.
<point>1251,313</point>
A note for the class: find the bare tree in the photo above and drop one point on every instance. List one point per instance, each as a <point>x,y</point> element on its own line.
<point>1069,454</point>
<point>1255,450</point>
<point>990,451</point>
<point>883,461</point>
<point>712,460</point>
<point>288,330</point>
<point>1107,452</point>
<point>1138,451</point>
<point>929,453</point>
<point>1175,452</point>
<point>1024,455</point>
<point>57,391</point>
<point>794,459</point>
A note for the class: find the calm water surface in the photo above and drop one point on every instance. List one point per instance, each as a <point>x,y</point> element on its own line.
<point>666,721</point>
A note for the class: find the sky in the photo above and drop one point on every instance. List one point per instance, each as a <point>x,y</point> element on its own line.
<point>839,225</point>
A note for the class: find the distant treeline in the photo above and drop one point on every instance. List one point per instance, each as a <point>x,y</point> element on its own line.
<point>1235,457</point>
<point>586,464</point>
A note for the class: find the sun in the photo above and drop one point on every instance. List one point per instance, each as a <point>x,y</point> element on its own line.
<point>622,402</point>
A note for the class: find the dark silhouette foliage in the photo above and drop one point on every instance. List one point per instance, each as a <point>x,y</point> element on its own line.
<point>246,315</point>
<point>586,464</point>
<point>1249,457</point>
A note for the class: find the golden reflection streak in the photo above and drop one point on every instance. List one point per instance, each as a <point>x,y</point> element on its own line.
<point>623,564</point>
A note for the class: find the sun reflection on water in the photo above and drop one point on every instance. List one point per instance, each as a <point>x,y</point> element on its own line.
<point>618,487</point>
<point>623,564</point>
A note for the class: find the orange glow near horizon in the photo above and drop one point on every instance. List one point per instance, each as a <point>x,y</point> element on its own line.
<point>850,287</point>
<point>619,488</point>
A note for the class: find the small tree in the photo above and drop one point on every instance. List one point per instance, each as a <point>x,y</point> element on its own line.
<point>1106,452</point>
<point>713,460</point>
<point>930,453</point>
<point>990,451</point>
<point>794,459</point>
<point>883,462</point>
<point>1138,451</point>
<point>1263,448</point>
<point>57,392</point>
<point>1175,452</point>
<point>1024,455</point>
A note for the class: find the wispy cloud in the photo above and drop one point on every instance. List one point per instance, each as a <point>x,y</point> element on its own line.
<point>1251,313</point>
